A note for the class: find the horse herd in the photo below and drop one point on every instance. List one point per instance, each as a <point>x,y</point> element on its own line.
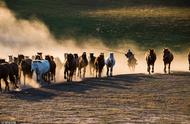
<point>74,66</point>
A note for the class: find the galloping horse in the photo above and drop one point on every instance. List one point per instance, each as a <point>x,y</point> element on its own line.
<point>52,71</point>
<point>92,66</point>
<point>110,62</point>
<point>83,62</point>
<point>9,70</point>
<point>167,58</point>
<point>132,61</point>
<point>99,63</point>
<point>26,69</point>
<point>150,59</point>
<point>41,67</point>
<point>189,60</point>
<point>70,66</point>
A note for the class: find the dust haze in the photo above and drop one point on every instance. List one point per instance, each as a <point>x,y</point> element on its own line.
<point>19,36</point>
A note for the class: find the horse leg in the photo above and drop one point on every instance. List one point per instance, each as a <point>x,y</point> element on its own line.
<point>24,78</point>
<point>84,72</point>
<point>65,74</point>
<point>165,68</point>
<point>169,68</point>
<point>111,70</point>
<point>148,68</point>
<point>6,84</point>
<point>153,68</point>
<point>107,71</point>
<point>0,86</point>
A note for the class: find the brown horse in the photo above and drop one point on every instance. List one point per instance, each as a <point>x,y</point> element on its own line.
<point>189,60</point>
<point>70,66</point>
<point>92,66</point>
<point>83,62</point>
<point>4,73</point>
<point>26,69</point>
<point>167,58</point>
<point>132,61</point>
<point>52,71</point>
<point>9,71</point>
<point>150,59</point>
<point>99,63</point>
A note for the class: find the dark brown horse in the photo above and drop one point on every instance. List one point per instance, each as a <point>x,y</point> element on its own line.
<point>99,63</point>
<point>9,71</point>
<point>189,60</point>
<point>167,58</point>
<point>4,73</point>
<point>150,59</point>
<point>83,62</point>
<point>70,66</point>
<point>92,66</point>
<point>26,69</point>
<point>52,71</point>
<point>76,57</point>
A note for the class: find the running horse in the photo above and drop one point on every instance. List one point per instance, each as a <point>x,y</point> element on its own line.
<point>132,61</point>
<point>99,63</point>
<point>92,66</point>
<point>70,66</point>
<point>42,68</point>
<point>150,59</point>
<point>83,62</point>
<point>167,58</point>
<point>189,60</point>
<point>110,62</point>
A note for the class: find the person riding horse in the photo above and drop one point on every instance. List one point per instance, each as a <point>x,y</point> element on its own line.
<point>132,61</point>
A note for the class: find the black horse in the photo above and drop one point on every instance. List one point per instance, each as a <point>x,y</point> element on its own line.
<point>150,59</point>
<point>70,66</point>
<point>189,60</point>
<point>52,71</point>
<point>92,66</point>
<point>167,58</point>
<point>9,70</point>
<point>26,69</point>
<point>99,64</point>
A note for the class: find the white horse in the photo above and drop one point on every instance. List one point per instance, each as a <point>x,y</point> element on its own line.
<point>41,67</point>
<point>110,62</point>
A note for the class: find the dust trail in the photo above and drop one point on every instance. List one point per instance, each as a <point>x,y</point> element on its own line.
<point>19,36</point>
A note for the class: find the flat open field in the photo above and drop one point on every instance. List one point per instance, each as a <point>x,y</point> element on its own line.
<point>130,98</point>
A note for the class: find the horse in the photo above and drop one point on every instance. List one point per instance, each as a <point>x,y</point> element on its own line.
<point>132,61</point>
<point>41,68</point>
<point>167,58</point>
<point>52,71</point>
<point>92,66</point>
<point>14,73</point>
<point>4,73</point>
<point>99,63</point>
<point>110,62</point>
<point>9,71</point>
<point>26,69</point>
<point>76,57</point>
<point>189,60</point>
<point>150,59</point>
<point>83,62</point>
<point>70,66</point>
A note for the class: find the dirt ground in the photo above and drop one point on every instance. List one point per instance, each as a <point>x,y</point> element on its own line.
<point>130,98</point>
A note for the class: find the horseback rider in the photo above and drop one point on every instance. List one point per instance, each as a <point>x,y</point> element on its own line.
<point>129,54</point>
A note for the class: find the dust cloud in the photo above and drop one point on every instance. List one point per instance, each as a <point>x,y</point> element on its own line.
<point>19,36</point>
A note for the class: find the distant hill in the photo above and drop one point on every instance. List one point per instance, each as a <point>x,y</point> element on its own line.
<point>151,23</point>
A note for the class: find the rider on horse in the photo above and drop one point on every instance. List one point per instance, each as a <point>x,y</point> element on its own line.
<point>129,54</point>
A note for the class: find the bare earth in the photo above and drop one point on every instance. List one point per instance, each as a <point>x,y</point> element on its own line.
<point>130,98</point>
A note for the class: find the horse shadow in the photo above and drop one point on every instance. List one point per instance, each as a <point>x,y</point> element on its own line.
<point>49,91</point>
<point>32,94</point>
